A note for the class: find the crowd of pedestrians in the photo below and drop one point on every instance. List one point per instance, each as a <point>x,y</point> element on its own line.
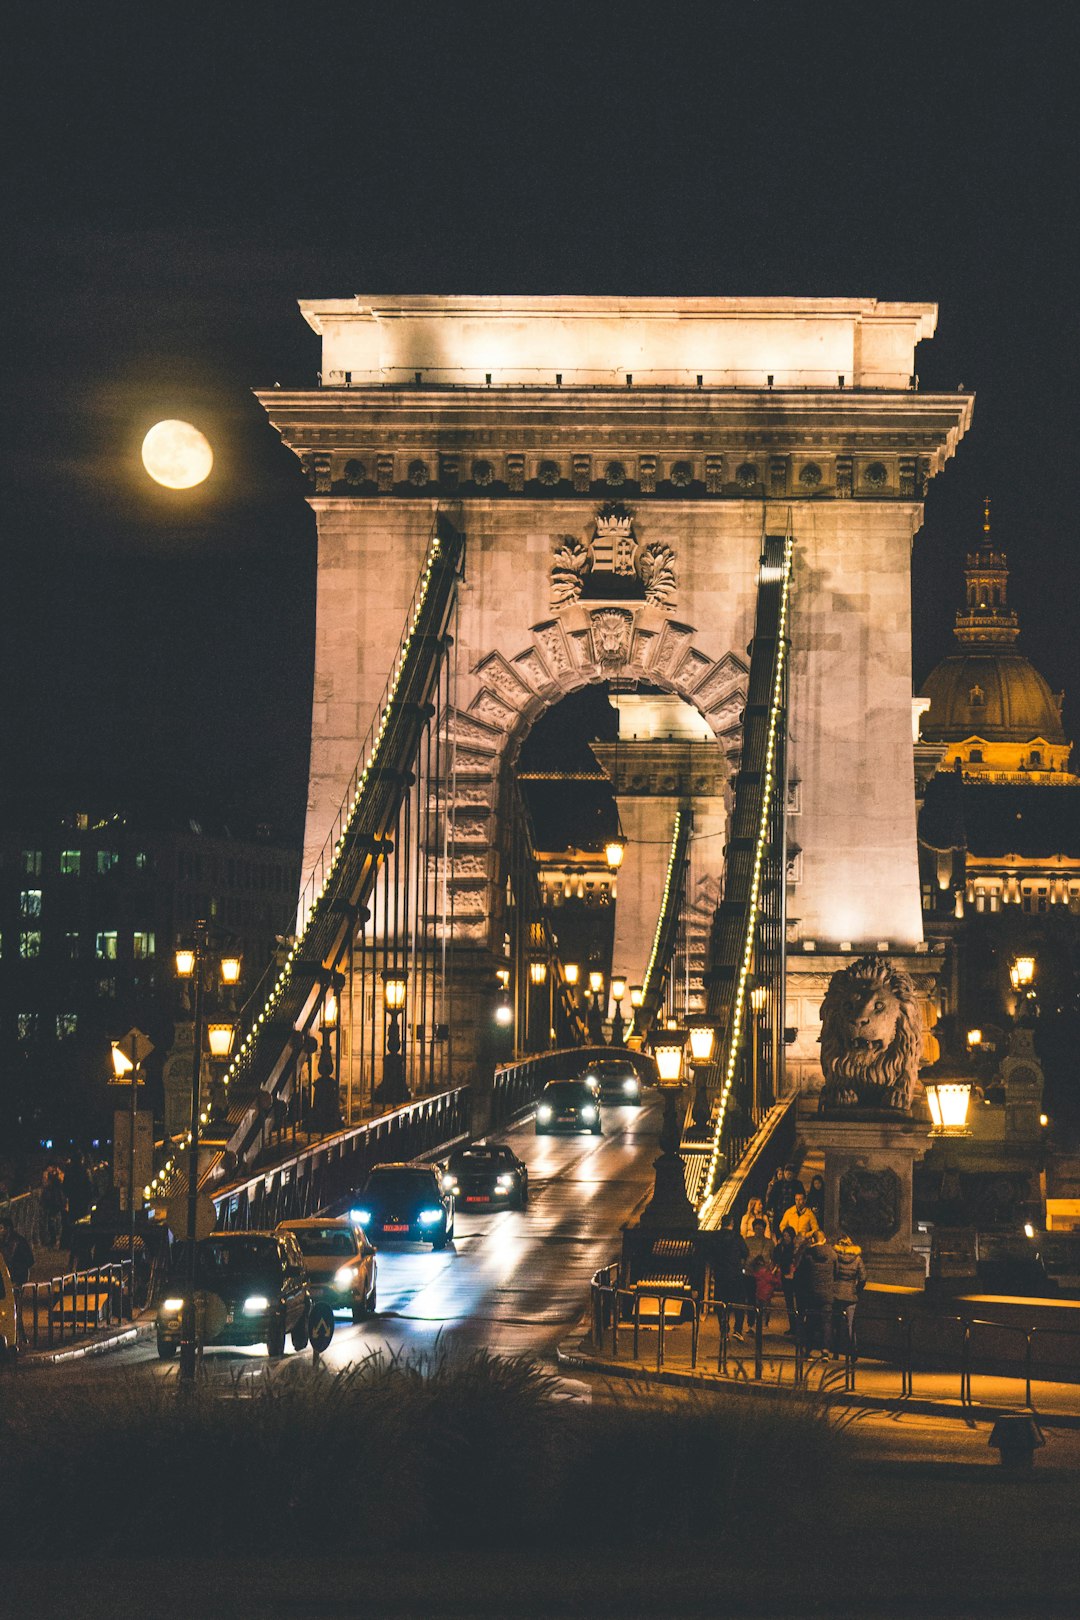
<point>780,1247</point>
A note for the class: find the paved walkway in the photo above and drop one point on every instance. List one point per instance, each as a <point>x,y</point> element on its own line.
<point>877,1384</point>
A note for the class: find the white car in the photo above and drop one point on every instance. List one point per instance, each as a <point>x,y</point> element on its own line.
<point>339,1261</point>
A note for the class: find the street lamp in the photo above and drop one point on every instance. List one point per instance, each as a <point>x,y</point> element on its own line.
<point>327,1106</point>
<point>618,991</point>
<point>1022,972</point>
<point>191,963</point>
<point>571,973</point>
<point>596,1016</point>
<point>669,1207</point>
<point>393,1082</point>
<point>702,1041</point>
<point>948,1101</point>
<point>614,850</point>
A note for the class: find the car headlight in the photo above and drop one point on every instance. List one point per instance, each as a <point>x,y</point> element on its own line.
<point>360,1217</point>
<point>171,1307</point>
<point>450,1184</point>
<point>344,1278</point>
<point>504,1181</point>
<point>255,1304</point>
<point>590,1080</point>
<point>543,1113</point>
<point>630,1087</point>
<point>428,1217</point>
<point>588,1113</point>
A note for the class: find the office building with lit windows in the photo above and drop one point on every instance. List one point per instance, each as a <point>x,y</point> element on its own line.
<point>91,905</point>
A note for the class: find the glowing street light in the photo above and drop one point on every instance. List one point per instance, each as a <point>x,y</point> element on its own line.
<point>614,850</point>
<point>1022,972</point>
<point>948,1100</point>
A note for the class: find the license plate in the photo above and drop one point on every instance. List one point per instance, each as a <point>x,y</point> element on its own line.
<point>396,1228</point>
<point>477,1198</point>
<point>566,1119</point>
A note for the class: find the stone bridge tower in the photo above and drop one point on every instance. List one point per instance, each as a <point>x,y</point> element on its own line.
<point>614,464</point>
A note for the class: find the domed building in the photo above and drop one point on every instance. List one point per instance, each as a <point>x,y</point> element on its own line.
<point>986,703</point>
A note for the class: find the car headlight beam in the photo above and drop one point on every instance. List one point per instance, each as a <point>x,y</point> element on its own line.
<point>543,1113</point>
<point>344,1278</point>
<point>360,1217</point>
<point>504,1181</point>
<point>171,1307</point>
<point>588,1113</point>
<point>255,1304</point>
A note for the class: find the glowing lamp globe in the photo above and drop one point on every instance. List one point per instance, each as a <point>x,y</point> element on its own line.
<point>618,986</point>
<point>220,1039</point>
<point>177,455</point>
<point>702,1037</point>
<point>637,995</point>
<point>570,972</point>
<point>948,1101</point>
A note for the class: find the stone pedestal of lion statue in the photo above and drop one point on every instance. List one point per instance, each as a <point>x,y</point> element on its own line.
<point>870,1119</point>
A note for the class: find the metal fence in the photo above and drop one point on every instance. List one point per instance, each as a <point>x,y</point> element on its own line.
<point>76,1303</point>
<point>620,1312</point>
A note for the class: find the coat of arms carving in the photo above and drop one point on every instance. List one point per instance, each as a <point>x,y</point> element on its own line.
<point>613,563</point>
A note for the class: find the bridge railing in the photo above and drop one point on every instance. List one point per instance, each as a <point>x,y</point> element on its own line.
<point>326,1172</point>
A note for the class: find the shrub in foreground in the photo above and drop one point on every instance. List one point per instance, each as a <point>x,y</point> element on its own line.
<point>448,1447</point>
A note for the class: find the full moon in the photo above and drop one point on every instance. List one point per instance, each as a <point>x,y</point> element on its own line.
<point>177,455</point>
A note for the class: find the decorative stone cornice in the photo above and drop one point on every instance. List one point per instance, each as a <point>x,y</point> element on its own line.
<point>650,443</point>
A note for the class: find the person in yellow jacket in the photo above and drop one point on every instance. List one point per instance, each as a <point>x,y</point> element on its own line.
<point>800,1218</point>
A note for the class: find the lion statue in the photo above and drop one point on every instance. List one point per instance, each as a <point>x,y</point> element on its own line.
<point>871,1038</point>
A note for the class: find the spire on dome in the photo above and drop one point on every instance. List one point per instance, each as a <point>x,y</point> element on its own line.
<point>987,618</point>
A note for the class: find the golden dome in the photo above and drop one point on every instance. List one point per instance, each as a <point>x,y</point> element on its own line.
<point>993,693</point>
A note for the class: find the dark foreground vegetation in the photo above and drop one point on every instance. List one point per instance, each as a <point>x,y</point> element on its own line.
<point>462,1486</point>
<point>465,1451</point>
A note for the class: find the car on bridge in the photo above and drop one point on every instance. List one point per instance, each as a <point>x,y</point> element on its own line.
<point>250,1288</point>
<point>568,1105</point>
<point>405,1203</point>
<point>617,1081</point>
<point>339,1261</point>
<point>487,1175</point>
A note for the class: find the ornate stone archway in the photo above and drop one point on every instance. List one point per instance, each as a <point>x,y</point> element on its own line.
<point>580,645</point>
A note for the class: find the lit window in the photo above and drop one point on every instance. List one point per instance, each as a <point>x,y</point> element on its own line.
<point>27,1025</point>
<point>106,860</point>
<point>142,944</point>
<point>105,946</point>
<point>30,943</point>
<point>142,861</point>
<point>106,987</point>
<point>1036,756</point>
<point>976,756</point>
<point>30,903</point>
<point>31,863</point>
<point>72,946</point>
<point>66,1025</point>
<point>70,862</point>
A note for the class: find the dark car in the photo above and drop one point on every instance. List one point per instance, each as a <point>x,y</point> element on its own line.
<point>487,1175</point>
<point>250,1288</point>
<point>405,1203</point>
<point>568,1105</point>
<point>617,1079</point>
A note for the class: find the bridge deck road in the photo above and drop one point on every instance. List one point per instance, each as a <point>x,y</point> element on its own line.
<point>513,1282</point>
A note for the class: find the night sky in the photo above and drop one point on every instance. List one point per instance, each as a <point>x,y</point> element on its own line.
<point>176,177</point>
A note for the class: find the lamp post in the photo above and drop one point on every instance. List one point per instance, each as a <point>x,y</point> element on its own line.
<point>327,1105</point>
<point>637,996</point>
<point>126,1071</point>
<point>596,1016</point>
<point>702,1041</point>
<point>538,974</point>
<point>618,991</point>
<point>191,963</point>
<point>393,1088</point>
<point>669,1207</point>
<point>1022,979</point>
<point>759,997</point>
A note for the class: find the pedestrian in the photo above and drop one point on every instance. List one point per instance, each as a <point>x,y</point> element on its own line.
<point>800,1218</point>
<point>814,1293</point>
<point>16,1251</point>
<point>52,1204</point>
<point>762,1272</point>
<point>755,1211</point>
<point>729,1279</point>
<point>787,1256</point>
<point>849,1280</point>
<point>815,1199</point>
<point>781,1195</point>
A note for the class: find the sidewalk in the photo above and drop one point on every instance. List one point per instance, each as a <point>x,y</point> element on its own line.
<point>877,1384</point>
